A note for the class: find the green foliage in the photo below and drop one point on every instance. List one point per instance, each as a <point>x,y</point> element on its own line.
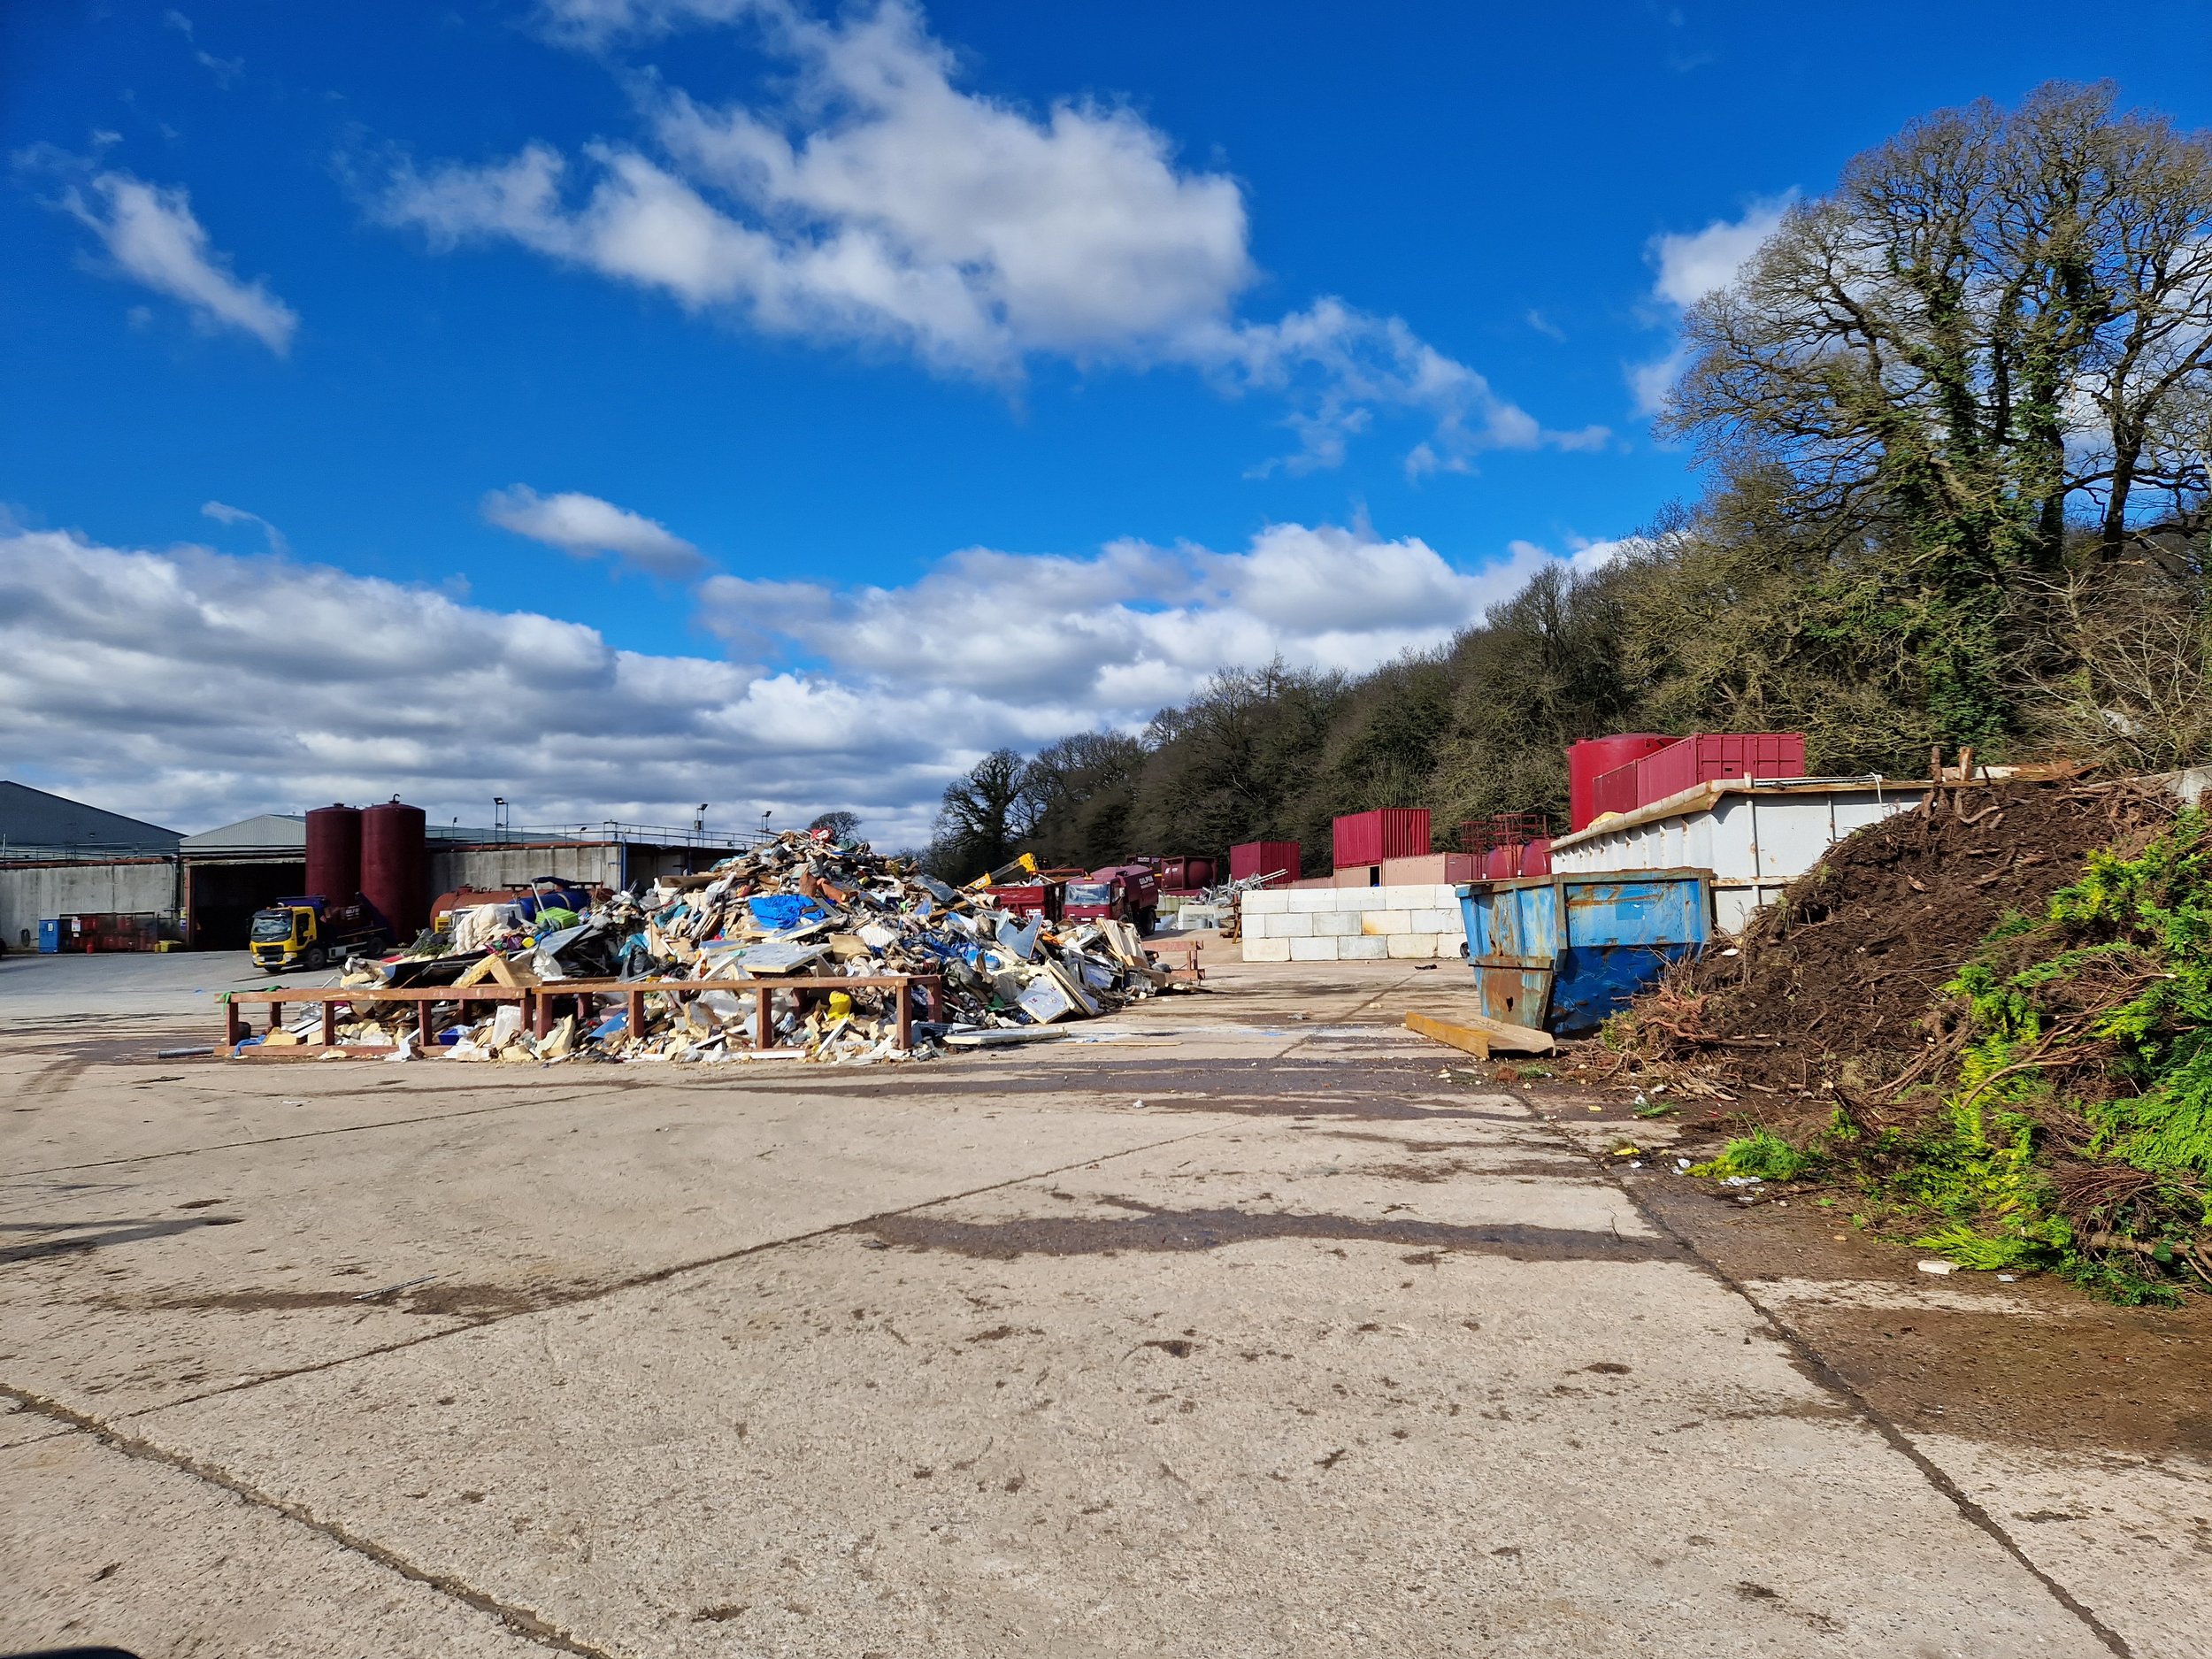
<point>1765,1154</point>
<point>2089,1047</point>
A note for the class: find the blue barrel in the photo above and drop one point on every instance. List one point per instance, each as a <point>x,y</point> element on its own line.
<point>1561,953</point>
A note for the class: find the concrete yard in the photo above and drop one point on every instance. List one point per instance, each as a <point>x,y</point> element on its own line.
<point>1243,1324</point>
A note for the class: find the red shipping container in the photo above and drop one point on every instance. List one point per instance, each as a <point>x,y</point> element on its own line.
<point>1591,759</point>
<point>1715,757</point>
<point>1390,831</point>
<point>1247,859</point>
<point>1615,791</point>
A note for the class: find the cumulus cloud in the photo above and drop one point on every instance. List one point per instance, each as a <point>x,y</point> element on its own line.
<point>151,235</point>
<point>193,687</point>
<point>1130,628</point>
<point>201,688</point>
<point>1690,264</point>
<point>584,525</point>
<point>879,203</point>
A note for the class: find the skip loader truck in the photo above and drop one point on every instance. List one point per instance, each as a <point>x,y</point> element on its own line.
<point>312,932</point>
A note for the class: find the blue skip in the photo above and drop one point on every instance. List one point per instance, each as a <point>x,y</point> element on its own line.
<point>1561,953</point>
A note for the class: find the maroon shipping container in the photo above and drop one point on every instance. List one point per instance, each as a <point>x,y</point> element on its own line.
<point>1390,831</point>
<point>1247,859</point>
<point>1592,758</point>
<point>1714,757</point>
<point>333,853</point>
<point>395,868</point>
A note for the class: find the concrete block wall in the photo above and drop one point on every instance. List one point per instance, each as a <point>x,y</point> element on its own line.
<point>1402,922</point>
<point>31,894</point>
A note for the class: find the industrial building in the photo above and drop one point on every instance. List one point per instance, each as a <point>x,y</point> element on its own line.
<point>61,859</point>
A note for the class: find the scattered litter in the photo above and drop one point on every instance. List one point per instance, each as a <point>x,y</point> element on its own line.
<point>200,1053</point>
<point>2008,1278</point>
<point>1937,1267</point>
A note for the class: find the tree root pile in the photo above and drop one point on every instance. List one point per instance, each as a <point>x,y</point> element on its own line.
<point>1838,982</point>
<point>2013,1073</point>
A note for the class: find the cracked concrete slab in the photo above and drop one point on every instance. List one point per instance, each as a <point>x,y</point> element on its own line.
<point>1317,1351</point>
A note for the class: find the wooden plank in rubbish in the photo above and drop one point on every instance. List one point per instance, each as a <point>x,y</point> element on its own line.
<point>1480,1036</point>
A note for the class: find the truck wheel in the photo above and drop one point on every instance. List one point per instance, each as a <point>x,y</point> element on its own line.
<point>317,960</point>
<point>1148,922</point>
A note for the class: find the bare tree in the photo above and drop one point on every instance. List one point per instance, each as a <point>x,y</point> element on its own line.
<point>988,812</point>
<point>842,825</point>
<point>2000,324</point>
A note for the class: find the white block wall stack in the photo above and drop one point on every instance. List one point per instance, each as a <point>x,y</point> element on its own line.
<point>1352,924</point>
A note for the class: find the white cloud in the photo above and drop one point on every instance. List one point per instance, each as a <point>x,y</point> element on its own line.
<point>1136,626</point>
<point>593,22</point>
<point>1694,264</point>
<point>192,688</point>
<point>583,526</point>
<point>222,512</point>
<point>1689,265</point>
<point>226,70</point>
<point>151,233</point>
<point>881,204</point>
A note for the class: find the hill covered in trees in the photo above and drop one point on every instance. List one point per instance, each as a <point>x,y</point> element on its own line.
<point>1951,422</point>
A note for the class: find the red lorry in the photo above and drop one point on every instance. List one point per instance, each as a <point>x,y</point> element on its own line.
<point>1126,893</point>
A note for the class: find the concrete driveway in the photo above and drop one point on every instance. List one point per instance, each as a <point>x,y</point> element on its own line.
<point>1245,1324</point>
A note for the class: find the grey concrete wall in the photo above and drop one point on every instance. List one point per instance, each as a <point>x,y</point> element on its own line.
<point>598,864</point>
<point>30,896</point>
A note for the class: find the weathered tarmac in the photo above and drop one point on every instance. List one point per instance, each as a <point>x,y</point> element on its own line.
<point>1246,1324</point>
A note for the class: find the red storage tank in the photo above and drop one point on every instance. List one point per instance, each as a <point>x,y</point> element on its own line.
<point>1247,859</point>
<point>395,867</point>
<point>1591,759</point>
<point>333,853</point>
<point>1536,857</point>
<point>1712,756</point>
<point>1390,831</point>
<point>1499,864</point>
<point>1184,875</point>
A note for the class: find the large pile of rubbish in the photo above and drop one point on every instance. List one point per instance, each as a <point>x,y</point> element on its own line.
<point>800,907</point>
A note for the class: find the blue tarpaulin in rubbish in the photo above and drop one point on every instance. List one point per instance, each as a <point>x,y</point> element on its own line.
<point>780,912</point>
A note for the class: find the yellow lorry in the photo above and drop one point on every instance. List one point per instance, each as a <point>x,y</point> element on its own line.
<point>312,932</point>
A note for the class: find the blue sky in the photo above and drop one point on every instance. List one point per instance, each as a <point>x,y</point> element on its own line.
<point>618,404</point>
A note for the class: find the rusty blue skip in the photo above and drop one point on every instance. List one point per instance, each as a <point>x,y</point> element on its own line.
<point>1562,952</point>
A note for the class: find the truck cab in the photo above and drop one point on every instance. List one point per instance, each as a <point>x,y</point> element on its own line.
<point>310,933</point>
<point>1123,893</point>
<point>285,936</point>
